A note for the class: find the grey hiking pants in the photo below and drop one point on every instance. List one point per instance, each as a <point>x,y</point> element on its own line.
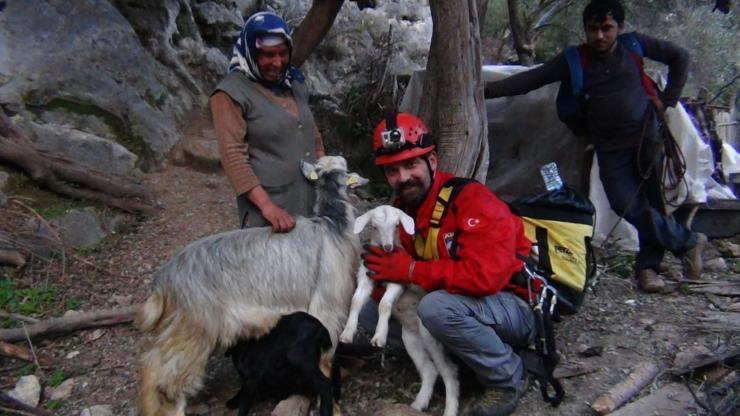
<point>481,332</point>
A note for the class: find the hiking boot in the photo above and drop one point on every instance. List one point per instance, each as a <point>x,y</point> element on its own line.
<point>650,282</point>
<point>692,262</point>
<point>497,401</point>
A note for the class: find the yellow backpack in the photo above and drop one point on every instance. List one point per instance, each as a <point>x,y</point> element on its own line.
<point>560,225</point>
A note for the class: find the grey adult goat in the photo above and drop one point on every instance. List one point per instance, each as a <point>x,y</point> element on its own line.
<point>237,284</point>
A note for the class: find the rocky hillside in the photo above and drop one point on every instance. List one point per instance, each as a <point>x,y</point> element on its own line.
<point>111,83</point>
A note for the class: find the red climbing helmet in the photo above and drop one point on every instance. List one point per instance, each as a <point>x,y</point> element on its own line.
<point>399,137</point>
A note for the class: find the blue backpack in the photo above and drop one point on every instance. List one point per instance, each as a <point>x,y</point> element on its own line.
<point>571,98</point>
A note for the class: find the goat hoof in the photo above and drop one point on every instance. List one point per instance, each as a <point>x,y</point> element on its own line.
<point>346,338</point>
<point>418,406</point>
<point>378,342</point>
<point>450,412</point>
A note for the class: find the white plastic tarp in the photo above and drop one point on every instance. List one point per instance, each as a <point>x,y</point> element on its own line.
<point>525,133</point>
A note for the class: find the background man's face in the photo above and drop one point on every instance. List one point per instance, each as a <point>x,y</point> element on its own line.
<point>601,36</point>
<point>410,179</point>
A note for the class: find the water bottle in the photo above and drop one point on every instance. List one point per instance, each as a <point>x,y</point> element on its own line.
<point>551,176</point>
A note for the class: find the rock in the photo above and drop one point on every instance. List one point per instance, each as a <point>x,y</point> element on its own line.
<point>84,73</point>
<point>95,335</point>
<point>72,354</point>
<point>43,240</point>
<point>94,151</point>
<point>80,228</point>
<point>202,152</point>
<point>294,405</point>
<point>716,265</point>
<point>355,39</point>
<point>726,248</point>
<point>177,155</point>
<point>217,14</point>
<point>98,410</point>
<point>591,351</point>
<point>213,62</point>
<point>62,391</point>
<point>216,61</point>
<point>27,390</point>
<point>12,258</point>
<point>175,53</point>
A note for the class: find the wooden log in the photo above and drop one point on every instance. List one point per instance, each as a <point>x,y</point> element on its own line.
<point>15,351</point>
<point>672,399</point>
<point>720,355</point>
<point>620,394</point>
<point>57,326</point>
<point>18,317</point>
<point>717,289</point>
<point>721,321</point>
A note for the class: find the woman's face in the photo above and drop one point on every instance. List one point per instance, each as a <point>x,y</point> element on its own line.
<point>272,61</point>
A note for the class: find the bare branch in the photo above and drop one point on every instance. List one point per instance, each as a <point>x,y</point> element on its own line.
<point>313,28</point>
<point>56,326</point>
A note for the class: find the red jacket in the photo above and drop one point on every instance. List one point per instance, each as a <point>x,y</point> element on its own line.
<point>485,235</point>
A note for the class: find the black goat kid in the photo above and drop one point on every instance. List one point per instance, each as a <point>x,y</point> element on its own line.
<point>285,361</point>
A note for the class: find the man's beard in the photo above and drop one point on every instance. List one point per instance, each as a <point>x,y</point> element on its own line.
<point>412,201</point>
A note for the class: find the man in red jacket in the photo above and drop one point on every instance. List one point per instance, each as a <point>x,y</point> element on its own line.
<point>465,270</point>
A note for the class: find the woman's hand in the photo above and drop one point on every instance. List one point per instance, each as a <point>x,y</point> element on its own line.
<point>281,221</point>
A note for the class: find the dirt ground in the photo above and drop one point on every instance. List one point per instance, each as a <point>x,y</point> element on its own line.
<point>626,325</point>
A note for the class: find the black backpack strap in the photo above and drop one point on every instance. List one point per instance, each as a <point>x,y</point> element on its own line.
<point>546,350</point>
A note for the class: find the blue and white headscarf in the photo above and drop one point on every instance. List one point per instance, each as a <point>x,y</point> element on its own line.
<point>263,27</point>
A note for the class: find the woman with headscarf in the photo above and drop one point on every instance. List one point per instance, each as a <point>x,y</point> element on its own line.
<point>265,127</point>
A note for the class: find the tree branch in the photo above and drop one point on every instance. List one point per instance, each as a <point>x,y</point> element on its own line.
<point>313,28</point>
<point>14,351</point>
<point>56,326</point>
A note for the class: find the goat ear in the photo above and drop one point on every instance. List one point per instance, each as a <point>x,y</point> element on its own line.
<point>354,180</point>
<point>361,221</point>
<point>309,171</point>
<point>407,223</point>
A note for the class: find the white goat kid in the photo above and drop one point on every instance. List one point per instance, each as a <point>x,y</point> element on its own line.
<point>384,220</point>
<point>238,284</point>
<point>426,352</point>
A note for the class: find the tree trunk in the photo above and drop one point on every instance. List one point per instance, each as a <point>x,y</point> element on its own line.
<point>313,28</point>
<point>21,353</point>
<point>482,8</point>
<point>452,103</point>
<point>521,33</point>
<point>68,178</point>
